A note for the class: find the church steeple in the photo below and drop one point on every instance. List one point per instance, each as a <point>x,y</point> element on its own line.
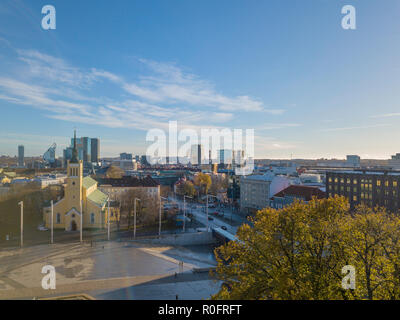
<point>74,158</point>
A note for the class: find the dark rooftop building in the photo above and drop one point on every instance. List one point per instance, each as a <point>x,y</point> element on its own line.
<point>293,192</point>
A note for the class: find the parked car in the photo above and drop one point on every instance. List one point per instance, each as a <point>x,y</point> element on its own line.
<point>210,218</point>
<point>224,228</point>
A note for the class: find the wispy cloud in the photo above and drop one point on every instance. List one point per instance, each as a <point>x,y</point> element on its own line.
<point>386,115</point>
<point>171,85</point>
<point>356,127</point>
<point>54,69</point>
<point>271,143</point>
<point>70,93</point>
<point>274,126</point>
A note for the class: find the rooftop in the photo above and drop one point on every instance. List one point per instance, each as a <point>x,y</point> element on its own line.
<point>98,197</point>
<point>88,182</point>
<point>129,181</point>
<point>306,192</point>
<point>371,172</point>
<point>260,177</point>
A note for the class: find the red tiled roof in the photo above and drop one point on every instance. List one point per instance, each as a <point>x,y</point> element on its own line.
<point>305,192</point>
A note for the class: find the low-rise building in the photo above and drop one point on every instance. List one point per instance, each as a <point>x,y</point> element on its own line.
<point>256,191</point>
<point>48,180</point>
<point>288,195</point>
<point>116,188</point>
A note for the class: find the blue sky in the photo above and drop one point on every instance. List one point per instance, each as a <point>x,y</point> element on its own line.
<point>286,68</point>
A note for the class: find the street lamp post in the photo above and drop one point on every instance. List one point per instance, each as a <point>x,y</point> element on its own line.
<point>108,219</point>
<point>232,204</point>
<point>134,218</point>
<point>81,231</point>
<point>208,222</point>
<point>52,223</point>
<point>21,204</point>
<point>184,210</point>
<point>159,220</point>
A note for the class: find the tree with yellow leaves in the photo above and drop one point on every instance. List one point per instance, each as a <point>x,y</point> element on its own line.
<point>203,182</point>
<point>298,252</point>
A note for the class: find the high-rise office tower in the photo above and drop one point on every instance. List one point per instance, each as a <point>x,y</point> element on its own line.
<point>197,154</point>
<point>21,156</point>
<point>88,150</point>
<point>95,150</point>
<point>225,156</point>
<point>238,158</point>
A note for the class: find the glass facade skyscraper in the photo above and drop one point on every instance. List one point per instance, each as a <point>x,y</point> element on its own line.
<point>88,150</point>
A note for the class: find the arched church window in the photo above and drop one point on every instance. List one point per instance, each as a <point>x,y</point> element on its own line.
<point>92,218</point>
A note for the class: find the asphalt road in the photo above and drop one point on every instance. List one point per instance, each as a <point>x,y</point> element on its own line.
<point>198,212</point>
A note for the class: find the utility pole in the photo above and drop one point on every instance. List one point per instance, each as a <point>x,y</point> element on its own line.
<point>52,223</point>
<point>21,203</point>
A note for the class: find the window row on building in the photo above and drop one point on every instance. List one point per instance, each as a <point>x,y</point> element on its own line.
<point>366,187</point>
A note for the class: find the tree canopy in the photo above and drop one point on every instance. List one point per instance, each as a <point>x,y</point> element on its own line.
<point>115,172</point>
<point>298,252</point>
<point>203,182</point>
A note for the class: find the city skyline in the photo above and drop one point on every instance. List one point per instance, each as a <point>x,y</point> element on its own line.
<point>286,69</point>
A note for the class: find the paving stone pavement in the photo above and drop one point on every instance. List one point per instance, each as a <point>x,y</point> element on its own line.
<point>110,270</point>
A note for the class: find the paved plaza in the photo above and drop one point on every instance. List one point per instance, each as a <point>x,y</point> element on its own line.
<point>108,270</point>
